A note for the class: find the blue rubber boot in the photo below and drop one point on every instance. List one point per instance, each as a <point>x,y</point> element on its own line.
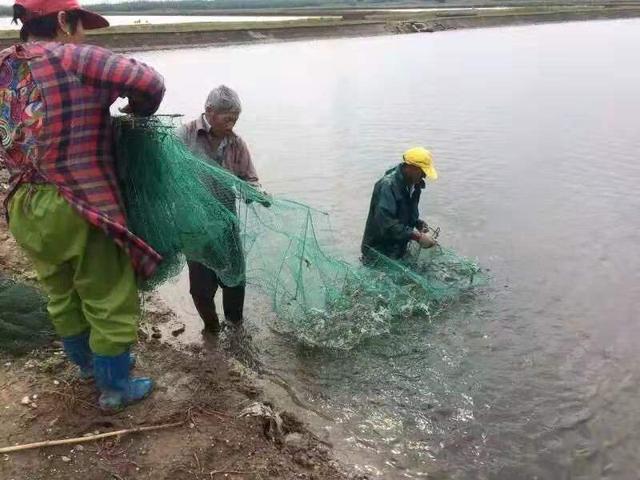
<point>78,351</point>
<point>117,389</point>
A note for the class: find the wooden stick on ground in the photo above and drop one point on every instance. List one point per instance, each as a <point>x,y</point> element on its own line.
<point>228,472</point>
<point>90,438</point>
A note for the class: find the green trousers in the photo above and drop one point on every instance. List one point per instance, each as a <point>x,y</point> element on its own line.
<point>88,278</point>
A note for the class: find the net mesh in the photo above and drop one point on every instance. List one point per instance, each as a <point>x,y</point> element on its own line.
<point>186,208</point>
<point>24,324</point>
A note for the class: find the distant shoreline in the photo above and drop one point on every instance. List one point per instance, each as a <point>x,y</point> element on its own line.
<point>349,23</point>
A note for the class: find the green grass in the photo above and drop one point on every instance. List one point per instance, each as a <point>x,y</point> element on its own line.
<point>211,27</point>
<point>8,34</point>
<point>226,26</point>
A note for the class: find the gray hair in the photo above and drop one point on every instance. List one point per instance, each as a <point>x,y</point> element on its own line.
<point>222,99</point>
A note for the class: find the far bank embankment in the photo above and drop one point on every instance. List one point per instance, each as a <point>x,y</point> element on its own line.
<point>336,24</point>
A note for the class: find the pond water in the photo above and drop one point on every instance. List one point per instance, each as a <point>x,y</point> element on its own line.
<point>535,134</point>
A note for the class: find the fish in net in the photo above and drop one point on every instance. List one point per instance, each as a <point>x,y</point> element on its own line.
<point>189,209</point>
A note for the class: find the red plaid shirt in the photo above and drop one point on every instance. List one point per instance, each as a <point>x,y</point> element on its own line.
<point>74,86</point>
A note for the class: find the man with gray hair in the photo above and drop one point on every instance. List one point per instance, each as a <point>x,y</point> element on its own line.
<point>212,137</point>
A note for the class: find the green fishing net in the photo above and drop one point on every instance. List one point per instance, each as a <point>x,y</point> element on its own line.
<point>186,208</point>
<point>24,323</point>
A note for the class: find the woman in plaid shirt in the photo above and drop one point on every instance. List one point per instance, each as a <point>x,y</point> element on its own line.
<point>64,206</point>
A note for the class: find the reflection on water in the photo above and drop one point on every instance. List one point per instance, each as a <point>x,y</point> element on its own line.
<point>535,135</point>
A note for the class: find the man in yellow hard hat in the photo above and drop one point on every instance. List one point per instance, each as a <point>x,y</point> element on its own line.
<point>393,215</point>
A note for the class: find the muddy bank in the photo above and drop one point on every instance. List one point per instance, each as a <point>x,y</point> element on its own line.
<point>349,24</point>
<point>222,426</point>
<point>198,391</point>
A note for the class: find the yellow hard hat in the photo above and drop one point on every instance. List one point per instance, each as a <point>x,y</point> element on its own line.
<point>421,157</point>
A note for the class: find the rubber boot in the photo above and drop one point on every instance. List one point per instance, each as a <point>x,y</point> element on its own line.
<point>233,304</point>
<point>77,349</point>
<point>207,310</point>
<point>117,389</point>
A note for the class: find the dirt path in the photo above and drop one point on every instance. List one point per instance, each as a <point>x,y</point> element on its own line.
<point>41,400</point>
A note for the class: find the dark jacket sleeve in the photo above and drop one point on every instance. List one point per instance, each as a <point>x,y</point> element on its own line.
<point>386,216</point>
